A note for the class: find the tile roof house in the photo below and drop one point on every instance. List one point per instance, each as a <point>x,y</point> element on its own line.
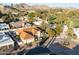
<point>25,37</point>
<point>33,30</point>
<point>27,34</point>
<point>17,24</point>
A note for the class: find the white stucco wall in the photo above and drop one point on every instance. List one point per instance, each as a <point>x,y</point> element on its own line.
<point>76,31</point>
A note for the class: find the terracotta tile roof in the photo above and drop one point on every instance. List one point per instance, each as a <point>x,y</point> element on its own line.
<point>27,33</point>
<point>24,35</point>
<point>17,24</point>
<point>33,30</point>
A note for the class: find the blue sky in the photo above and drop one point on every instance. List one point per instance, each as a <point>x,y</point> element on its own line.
<point>76,5</point>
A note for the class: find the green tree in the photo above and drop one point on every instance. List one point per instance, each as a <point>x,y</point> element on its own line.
<point>50,32</point>
<point>58,29</point>
<point>52,19</point>
<point>70,32</point>
<point>69,23</point>
<point>44,26</point>
<point>31,16</point>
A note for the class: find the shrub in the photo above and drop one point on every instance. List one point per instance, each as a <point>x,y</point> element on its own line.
<point>29,44</point>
